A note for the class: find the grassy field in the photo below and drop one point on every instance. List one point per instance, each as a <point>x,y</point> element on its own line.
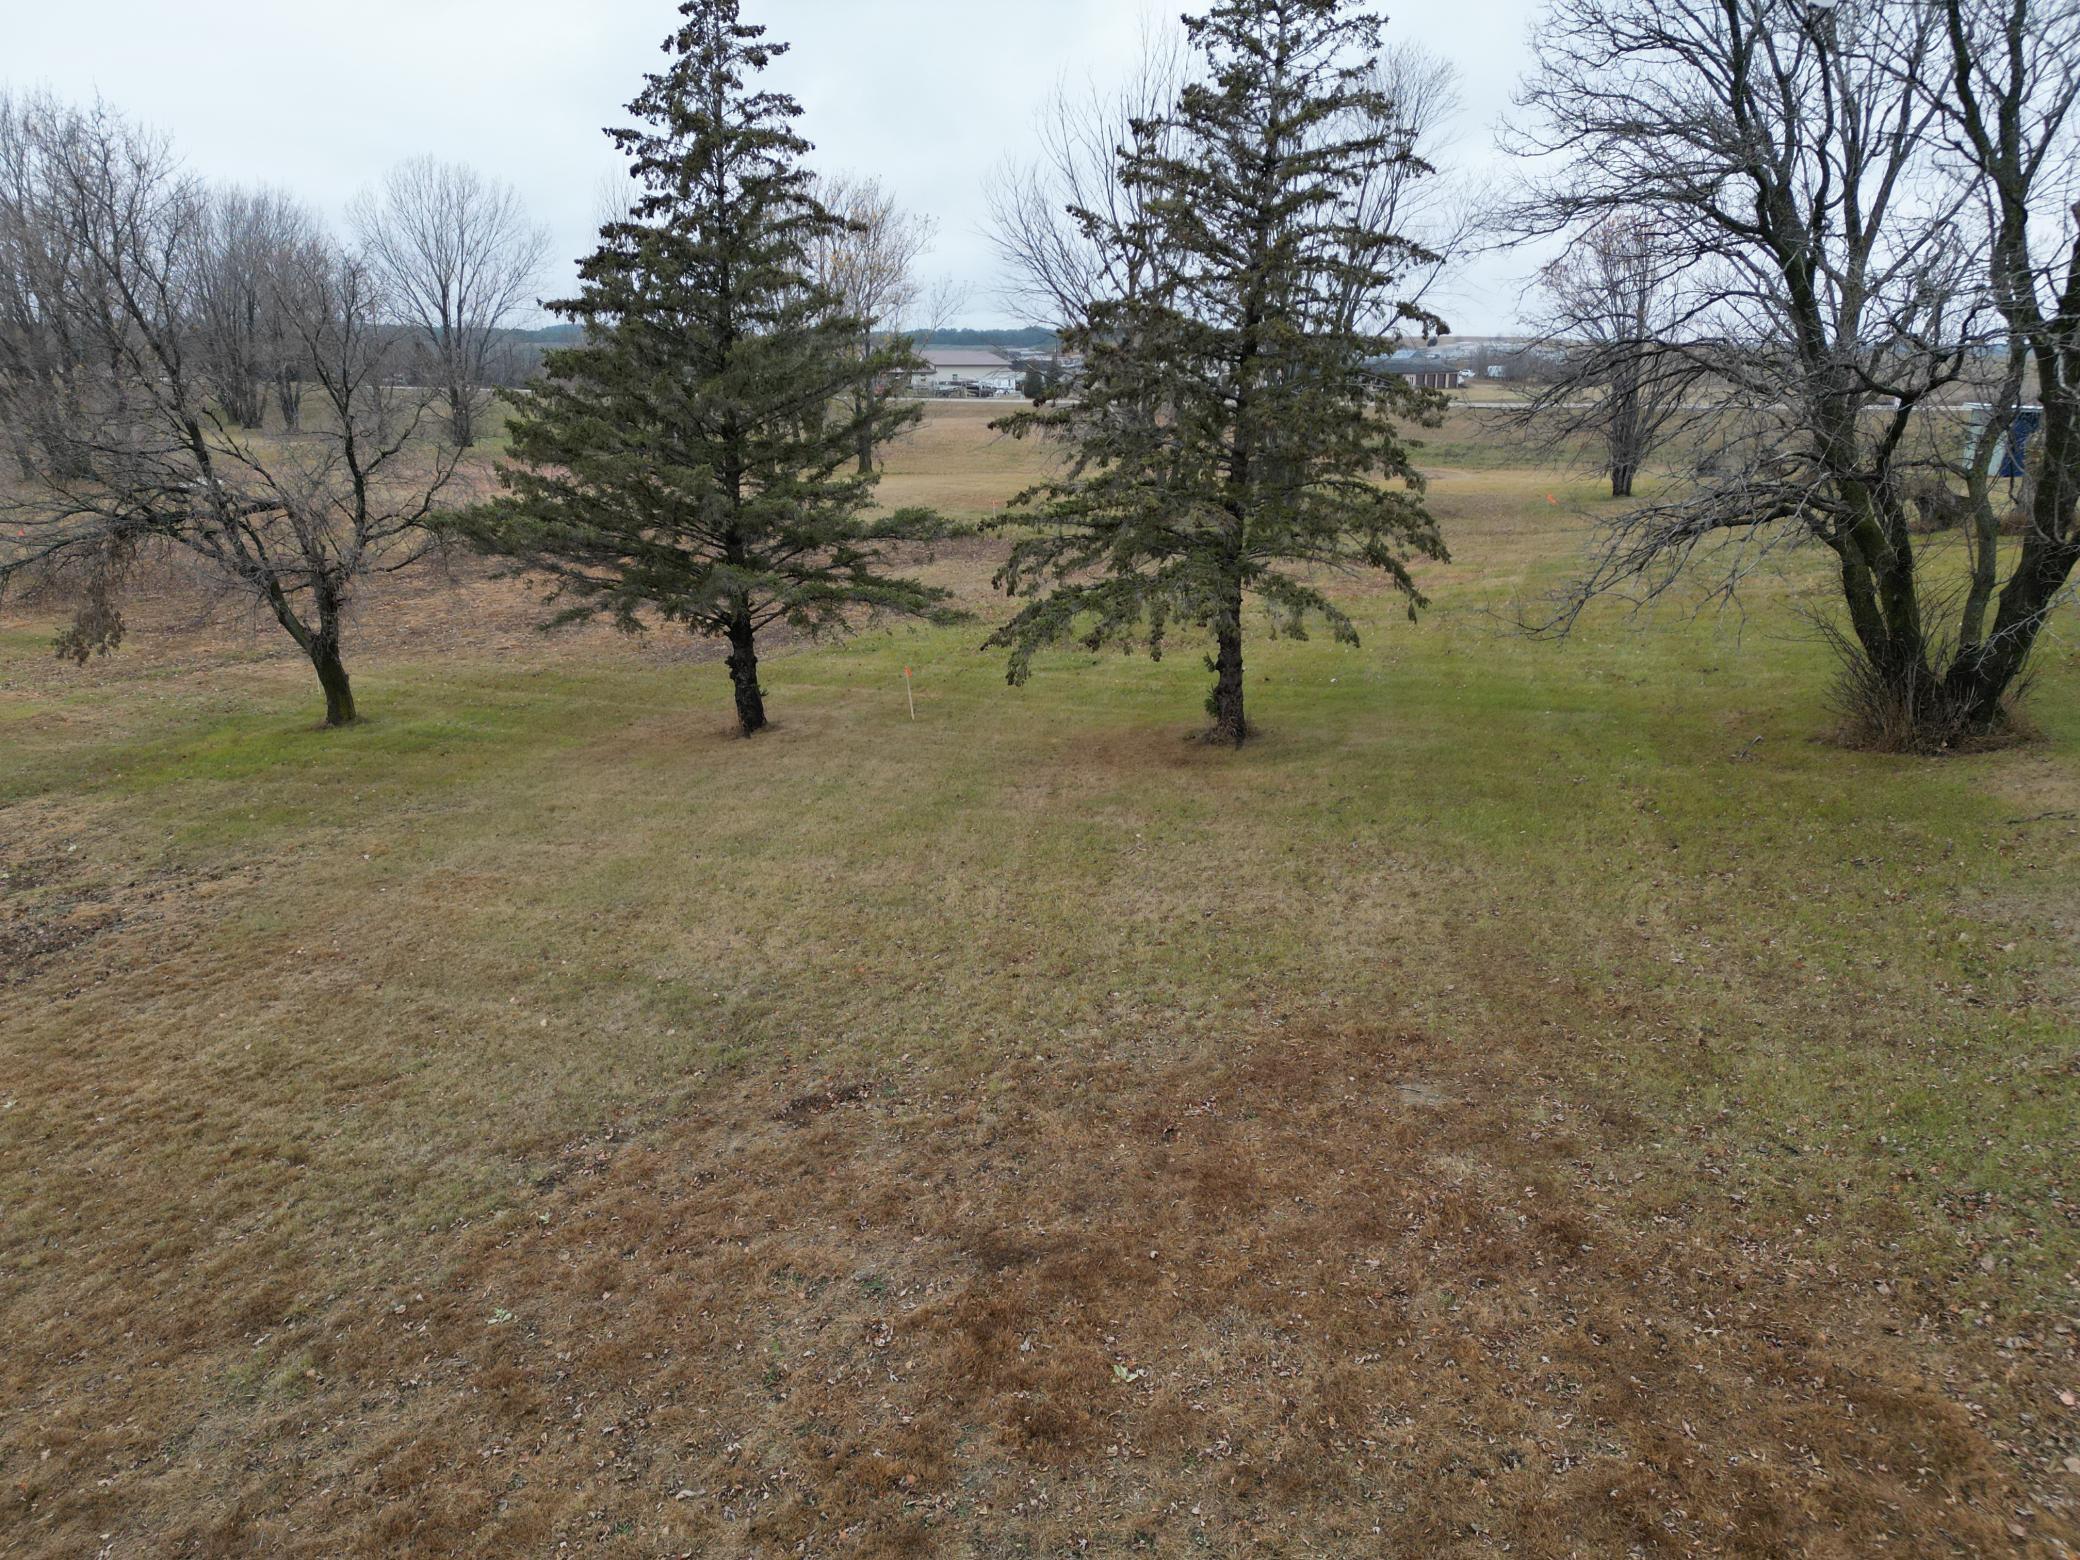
<point>1540,1099</point>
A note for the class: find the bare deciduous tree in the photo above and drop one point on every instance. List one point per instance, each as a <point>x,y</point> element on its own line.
<point>869,268</point>
<point>2009,95</point>
<point>1043,212</point>
<point>1795,164</point>
<point>459,260</point>
<point>257,245</point>
<point>1408,200</point>
<point>43,355</point>
<point>1611,306</point>
<point>136,446</point>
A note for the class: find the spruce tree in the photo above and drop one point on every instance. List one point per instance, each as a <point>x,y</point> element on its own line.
<point>1231,424</point>
<point>685,460</point>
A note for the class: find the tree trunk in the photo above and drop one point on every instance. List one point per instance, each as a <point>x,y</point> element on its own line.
<point>462,418</point>
<point>288,395</point>
<point>1979,681</point>
<point>320,643</point>
<point>1230,728</point>
<point>863,406</point>
<point>1881,590</point>
<point>1983,540</point>
<point>743,676</point>
<point>1622,435</point>
<point>246,403</point>
<point>332,677</point>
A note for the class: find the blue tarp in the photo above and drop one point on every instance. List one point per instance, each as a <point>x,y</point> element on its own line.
<point>2020,432</point>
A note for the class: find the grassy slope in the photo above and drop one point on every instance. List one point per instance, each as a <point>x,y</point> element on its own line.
<point>1537,1095</point>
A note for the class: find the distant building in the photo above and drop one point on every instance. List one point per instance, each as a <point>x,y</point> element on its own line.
<point>953,369</point>
<point>1424,370</point>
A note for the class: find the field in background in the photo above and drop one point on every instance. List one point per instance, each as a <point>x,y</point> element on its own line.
<point>1541,1098</point>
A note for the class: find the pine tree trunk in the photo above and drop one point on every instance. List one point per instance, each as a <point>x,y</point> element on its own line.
<point>332,677</point>
<point>863,404</point>
<point>1230,728</point>
<point>743,676</point>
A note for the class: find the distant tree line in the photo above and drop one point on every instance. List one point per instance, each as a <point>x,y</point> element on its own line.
<point>1038,338</point>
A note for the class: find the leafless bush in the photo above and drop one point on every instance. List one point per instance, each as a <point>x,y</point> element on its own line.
<point>1922,713</point>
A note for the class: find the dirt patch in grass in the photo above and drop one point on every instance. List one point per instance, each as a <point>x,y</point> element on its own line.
<point>804,1107</point>
<point>28,940</point>
<point>53,898</point>
<point>1149,1304</point>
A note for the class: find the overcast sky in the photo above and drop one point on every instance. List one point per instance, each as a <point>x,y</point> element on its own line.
<point>930,95</point>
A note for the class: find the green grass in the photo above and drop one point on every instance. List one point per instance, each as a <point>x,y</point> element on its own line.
<point>1597,809</point>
